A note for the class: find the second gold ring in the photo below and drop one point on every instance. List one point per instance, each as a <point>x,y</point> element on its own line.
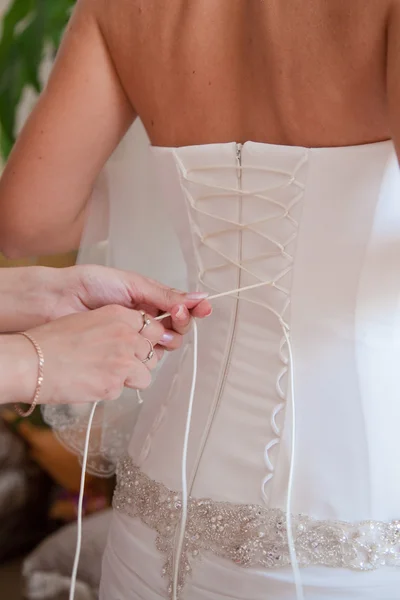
<point>150,354</point>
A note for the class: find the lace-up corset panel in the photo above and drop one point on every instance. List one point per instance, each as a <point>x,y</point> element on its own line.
<point>324,246</point>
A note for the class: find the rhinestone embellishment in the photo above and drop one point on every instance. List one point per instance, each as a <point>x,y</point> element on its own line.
<point>250,535</point>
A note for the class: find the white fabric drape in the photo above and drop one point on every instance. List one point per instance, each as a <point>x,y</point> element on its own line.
<point>127,228</point>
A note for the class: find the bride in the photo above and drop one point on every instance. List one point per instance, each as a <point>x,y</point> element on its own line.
<point>273,126</point>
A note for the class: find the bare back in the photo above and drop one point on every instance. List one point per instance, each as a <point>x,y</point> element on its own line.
<point>303,73</point>
<point>287,72</point>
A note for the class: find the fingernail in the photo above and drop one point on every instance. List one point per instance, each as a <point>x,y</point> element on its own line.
<point>166,339</point>
<point>209,312</point>
<point>182,313</point>
<point>197,296</point>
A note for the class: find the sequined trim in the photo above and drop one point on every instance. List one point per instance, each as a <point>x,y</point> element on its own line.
<point>250,535</point>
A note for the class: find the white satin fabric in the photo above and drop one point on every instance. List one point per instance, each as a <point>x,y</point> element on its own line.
<point>127,228</point>
<point>322,228</point>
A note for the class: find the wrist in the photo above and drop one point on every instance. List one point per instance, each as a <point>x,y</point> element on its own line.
<point>27,297</point>
<point>18,370</point>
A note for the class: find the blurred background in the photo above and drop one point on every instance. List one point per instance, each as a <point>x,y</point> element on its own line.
<point>39,479</point>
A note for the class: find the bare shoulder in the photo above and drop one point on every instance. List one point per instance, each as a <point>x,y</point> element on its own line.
<point>83,25</point>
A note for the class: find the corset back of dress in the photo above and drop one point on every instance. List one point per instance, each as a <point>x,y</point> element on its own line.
<point>320,229</point>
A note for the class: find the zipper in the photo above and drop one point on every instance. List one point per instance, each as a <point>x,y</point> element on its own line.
<point>239,148</point>
<point>213,412</point>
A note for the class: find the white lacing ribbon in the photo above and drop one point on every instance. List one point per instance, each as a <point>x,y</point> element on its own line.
<point>288,363</point>
<point>185,494</point>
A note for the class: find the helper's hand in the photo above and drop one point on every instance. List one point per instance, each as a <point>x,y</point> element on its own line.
<point>89,286</point>
<point>88,356</point>
<point>31,296</point>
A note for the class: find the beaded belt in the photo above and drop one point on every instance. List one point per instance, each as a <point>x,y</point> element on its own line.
<point>250,535</point>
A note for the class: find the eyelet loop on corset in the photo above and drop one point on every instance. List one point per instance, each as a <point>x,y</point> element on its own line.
<point>197,191</point>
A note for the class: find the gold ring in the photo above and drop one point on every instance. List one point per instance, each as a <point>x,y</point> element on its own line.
<point>146,321</point>
<point>150,354</point>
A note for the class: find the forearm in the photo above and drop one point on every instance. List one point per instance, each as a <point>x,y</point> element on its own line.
<point>17,369</point>
<point>59,242</point>
<point>18,239</point>
<point>77,123</point>
<point>23,301</point>
<point>42,210</point>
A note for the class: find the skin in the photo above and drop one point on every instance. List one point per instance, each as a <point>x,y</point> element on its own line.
<point>32,296</point>
<point>87,322</point>
<point>316,73</point>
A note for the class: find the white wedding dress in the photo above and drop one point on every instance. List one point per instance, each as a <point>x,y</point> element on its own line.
<point>321,229</point>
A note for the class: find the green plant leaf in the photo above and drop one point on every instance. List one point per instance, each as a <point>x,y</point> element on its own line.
<point>29,27</point>
<point>17,12</point>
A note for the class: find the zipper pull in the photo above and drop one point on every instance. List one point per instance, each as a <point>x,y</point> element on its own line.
<point>239,161</point>
<point>239,153</point>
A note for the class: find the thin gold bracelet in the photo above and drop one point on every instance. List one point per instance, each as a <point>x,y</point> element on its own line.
<point>39,383</point>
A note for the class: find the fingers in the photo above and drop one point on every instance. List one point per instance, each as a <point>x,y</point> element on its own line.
<point>145,360</point>
<point>151,329</point>
<point>202,310</point>
<point>171,340</point>
<point>145,352</point>
<point>147,291</point>
<point>180,319</point>
<point>139,377</point>
<point>154,331</point>
<point>152,293</point>
<point>168,333</point>
<point>127,289</point>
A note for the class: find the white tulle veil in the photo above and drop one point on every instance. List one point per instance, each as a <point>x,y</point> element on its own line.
<point>128,228</point>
